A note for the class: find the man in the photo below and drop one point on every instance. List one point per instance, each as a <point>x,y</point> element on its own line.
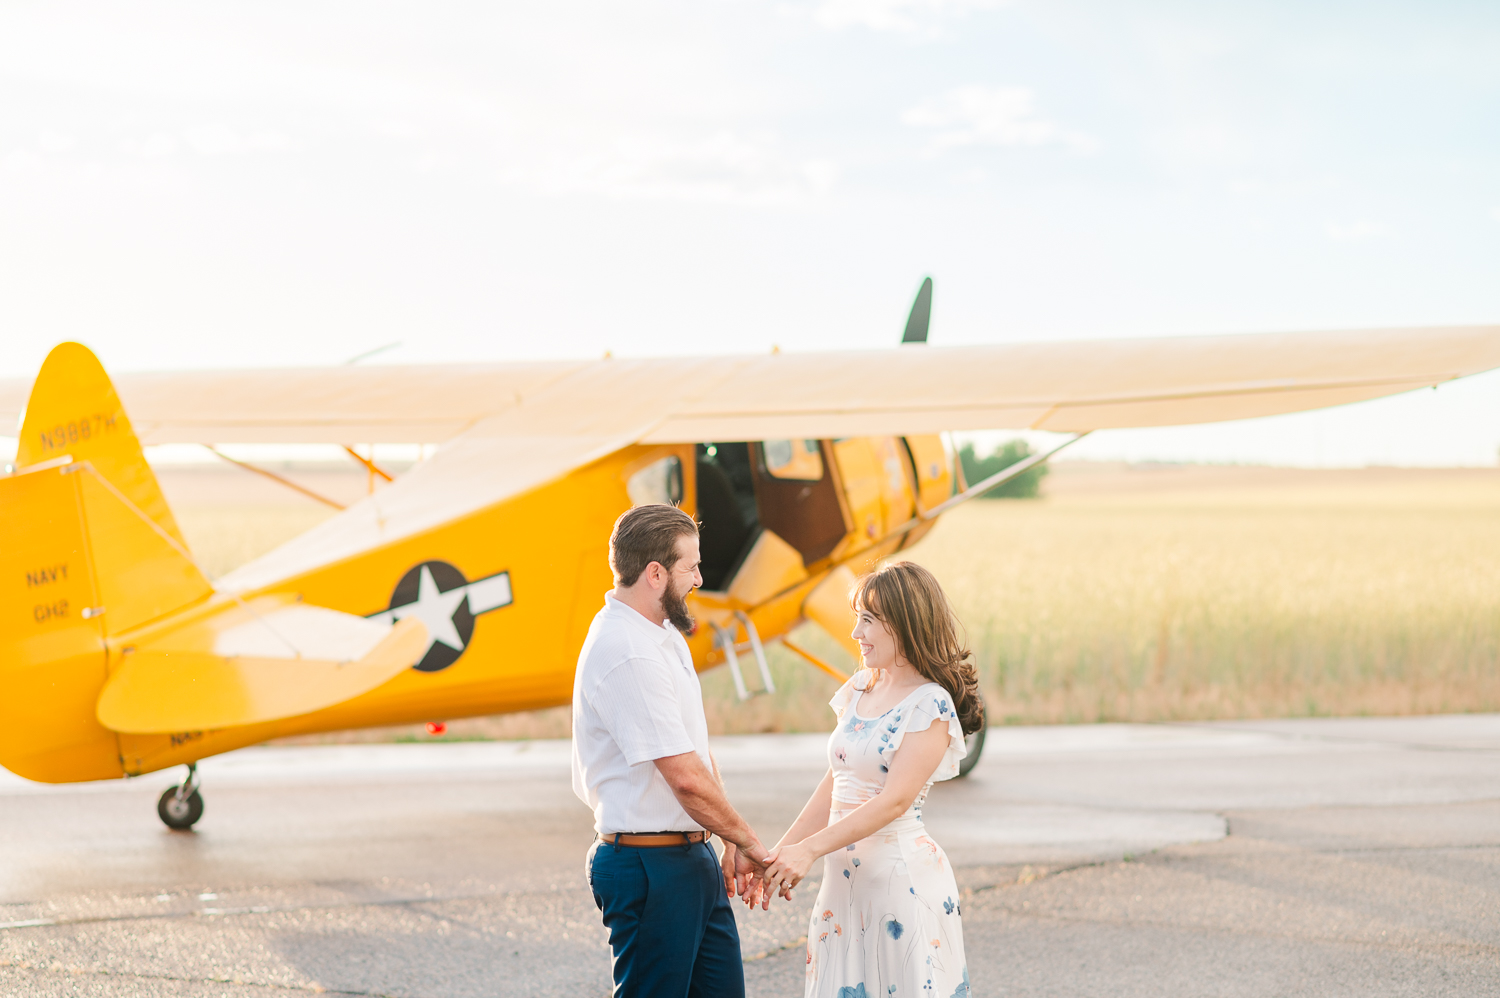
<point>641,761</point>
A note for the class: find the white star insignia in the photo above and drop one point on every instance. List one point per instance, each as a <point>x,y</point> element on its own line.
<point>436,610</point>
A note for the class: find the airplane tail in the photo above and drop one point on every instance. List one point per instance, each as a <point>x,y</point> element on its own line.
<point>89,549</point>
<point>115,651</point>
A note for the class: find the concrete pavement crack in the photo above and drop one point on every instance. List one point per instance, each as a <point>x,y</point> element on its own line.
<point>1341,739</point>
<point>74,972</point>
<point>38,923</point>
<point>1475,949</point>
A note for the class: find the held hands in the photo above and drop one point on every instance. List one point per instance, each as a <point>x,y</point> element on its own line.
<point>741,870</point>
<point>785,869</point>
<point>759,880</point>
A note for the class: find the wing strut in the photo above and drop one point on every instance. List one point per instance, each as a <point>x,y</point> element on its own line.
<point>981,487</point>
<point>790,645</point>
<point>277,478</point>
<point>371,468</point>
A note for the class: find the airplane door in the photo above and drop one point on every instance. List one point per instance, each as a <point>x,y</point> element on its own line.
<point>797,497</point>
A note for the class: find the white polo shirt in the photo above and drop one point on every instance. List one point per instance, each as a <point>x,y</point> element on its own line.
<point>636,699</point>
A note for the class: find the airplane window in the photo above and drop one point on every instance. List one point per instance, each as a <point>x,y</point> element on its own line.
<point>658,482</point>
<point>800,460</point>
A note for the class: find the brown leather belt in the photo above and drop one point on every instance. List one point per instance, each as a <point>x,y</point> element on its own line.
<point>654,840</point>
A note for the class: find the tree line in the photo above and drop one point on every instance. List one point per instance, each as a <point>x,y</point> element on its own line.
<point>1026,485</point>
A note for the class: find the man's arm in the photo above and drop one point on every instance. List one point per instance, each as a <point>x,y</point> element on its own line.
<point>645,721</point>
<point>714,761</point>
<point>702,797</point>
<point>735,883</point>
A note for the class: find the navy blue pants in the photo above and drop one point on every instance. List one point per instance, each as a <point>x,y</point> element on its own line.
<point>671,927</point>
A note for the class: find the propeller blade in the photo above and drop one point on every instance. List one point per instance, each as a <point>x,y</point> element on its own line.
<point>921,314</point>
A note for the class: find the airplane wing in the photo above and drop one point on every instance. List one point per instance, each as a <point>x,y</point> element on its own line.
<point>506,428</point>
<point>1072,386</point>
<point>340,405</point>
<point>1069,386</point>
<point>560,417</point>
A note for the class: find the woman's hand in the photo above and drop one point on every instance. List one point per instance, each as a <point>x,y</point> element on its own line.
<point>786,868</point>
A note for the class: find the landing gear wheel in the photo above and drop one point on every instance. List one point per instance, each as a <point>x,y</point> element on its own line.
<point>180,807</point>
<point>975,744</point>
<point>179,813</point>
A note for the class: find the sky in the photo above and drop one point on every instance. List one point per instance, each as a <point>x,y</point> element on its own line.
<point>210,184</point>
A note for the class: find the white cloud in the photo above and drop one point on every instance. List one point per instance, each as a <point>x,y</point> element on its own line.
<point>221,140</point>
<point>21,161</point>
<point>56,142</point>
<point>903,16</point>
<point>991,116</point>
<point>29,161</point>
<point>722,166</point>
<point>205,140</point>
<point>1351,232</point>
<point>157,145</point>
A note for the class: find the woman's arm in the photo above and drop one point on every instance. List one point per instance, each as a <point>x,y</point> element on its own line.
<point>912,767</point>
<point>814,816</point>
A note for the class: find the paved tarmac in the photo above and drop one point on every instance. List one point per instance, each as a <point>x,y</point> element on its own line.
<point>1324,857</point>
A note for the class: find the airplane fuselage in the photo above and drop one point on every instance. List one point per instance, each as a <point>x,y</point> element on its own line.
<point>508,592</point>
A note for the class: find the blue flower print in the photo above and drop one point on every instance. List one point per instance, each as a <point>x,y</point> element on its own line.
<point>858,991</point>
<point>895,928</point>
<point>891,990</point>
<point>858,728</point>
<point>948,906</point>
<point>856,860</point>
<point>849,848</point>
<point>962,991</point>
<point>846,873</point>
<point>942,706</point>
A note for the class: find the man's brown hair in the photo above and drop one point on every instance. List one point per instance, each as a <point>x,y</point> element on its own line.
<point>646,534</point>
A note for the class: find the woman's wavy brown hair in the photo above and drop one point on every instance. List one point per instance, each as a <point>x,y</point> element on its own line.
<point>907,599</point>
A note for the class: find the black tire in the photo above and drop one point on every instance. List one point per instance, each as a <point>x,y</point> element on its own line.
<point>975,742</point>
<point>179,815</point>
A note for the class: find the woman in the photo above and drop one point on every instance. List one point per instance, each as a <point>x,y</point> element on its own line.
<point>886,922</point>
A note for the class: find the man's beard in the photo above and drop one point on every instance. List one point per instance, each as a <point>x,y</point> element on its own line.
<point>674,605</point>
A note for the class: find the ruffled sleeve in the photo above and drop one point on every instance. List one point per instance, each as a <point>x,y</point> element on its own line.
<point>855,684</point>
<point>933,703</point>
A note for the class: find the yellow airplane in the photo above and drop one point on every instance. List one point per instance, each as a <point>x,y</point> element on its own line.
<point>466,586</point>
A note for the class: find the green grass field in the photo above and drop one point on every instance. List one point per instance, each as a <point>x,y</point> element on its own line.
<point>1128,594</point>
<point>1094,611</point>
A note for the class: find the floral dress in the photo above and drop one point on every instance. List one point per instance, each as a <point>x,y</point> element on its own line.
<point>886,923</point>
